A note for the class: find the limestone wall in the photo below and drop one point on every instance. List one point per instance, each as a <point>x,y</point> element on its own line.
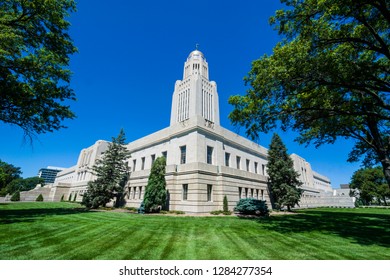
<point>33,194</point>
<point>325,199</point>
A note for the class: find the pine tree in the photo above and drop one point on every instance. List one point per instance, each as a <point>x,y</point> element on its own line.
<point>111,175</point>
<point>225,204</point>
<point>283,179</point>
<point>155,193</point>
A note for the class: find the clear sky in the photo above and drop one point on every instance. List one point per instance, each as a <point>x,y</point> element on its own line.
<point>130,55</point>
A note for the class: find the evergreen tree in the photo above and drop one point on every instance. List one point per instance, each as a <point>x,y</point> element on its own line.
<point>155,193</point>
<point>283,179</point>
<point>111,175</point>
<point>225,204</point>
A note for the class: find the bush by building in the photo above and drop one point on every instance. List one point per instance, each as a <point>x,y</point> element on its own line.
<point>251,206</point>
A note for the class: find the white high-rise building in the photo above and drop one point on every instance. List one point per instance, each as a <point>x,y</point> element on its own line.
<point>205,161</point>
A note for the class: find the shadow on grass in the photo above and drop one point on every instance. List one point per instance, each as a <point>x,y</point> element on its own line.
<point>362,228</point>
<point>10,216</point>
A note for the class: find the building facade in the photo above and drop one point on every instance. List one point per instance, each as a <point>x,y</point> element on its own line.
<point>49,173</point>
<point>205,161</point>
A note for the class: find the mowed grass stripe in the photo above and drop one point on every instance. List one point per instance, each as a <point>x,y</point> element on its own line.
<point>66,231</point>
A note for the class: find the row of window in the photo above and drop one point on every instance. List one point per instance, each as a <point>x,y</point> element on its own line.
<point>81,175</point>
<point>135,193</point>
<point>250,193</point>
<point>209,192</point>
<point>209,160</point>
<point>143,159</point>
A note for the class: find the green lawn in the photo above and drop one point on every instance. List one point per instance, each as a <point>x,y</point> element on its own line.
<point>66,231</point>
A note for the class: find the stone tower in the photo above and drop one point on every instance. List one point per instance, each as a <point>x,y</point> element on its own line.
<point>195,95</point>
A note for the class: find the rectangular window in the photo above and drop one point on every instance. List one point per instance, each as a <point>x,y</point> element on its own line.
<point>134,164</point>
<point>140,191</point>
<point>247,164</point>
<point>129,193</point>
<point>153,157</point>
<point>262,194</point>
<point>227,159</point>
<point>209,192</point>
<point>256,165</point>
<point>209,155</point>
<point>165,154</point>
<point>183,151</point>
<point>238,161</point>
<point>142,163</point>
<point>185,191</point>
<point>246,192</point>
<point>263,169</point>
<point>134,191</point>
<point>239,192</point>
<point>252,193</point>
<point>257,194</point>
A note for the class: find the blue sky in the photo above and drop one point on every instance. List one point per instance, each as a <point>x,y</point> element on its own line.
<point>130,55</point>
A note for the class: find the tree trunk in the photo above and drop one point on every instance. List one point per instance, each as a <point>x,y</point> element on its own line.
<point>381,146</point>
<point>386,169</point>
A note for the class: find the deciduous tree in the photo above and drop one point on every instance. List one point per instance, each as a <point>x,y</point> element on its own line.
<point>34,55</point>
<point>328,78</point>
<point>21,184</point>
<point>8,173</point>
<point>369,184</point>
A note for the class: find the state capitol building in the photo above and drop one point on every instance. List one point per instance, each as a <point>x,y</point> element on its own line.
<point>205,161</point>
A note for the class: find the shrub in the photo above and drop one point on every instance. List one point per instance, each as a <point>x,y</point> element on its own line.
<point>177,212</point>
<point>225,204</point>
<point>15,196</point>
<point>216,212</point>
<point>39,198</point>
<point>132,209</point>
<point>251,206</point>
<point>227,213</point>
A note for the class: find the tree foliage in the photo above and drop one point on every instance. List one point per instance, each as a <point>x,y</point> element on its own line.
<point>155,193</point>
<point>283,180</point>
<point>8,173</point>
<point>15,196</point>
<point>327,78</point>
<point>22,185</point>
<point>34,52</point>
<point>368,185</point>
<point>111,173</point>
<point>225,204</point>
<point>251,206</point>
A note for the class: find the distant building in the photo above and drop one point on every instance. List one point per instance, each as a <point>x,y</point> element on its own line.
<point>49,174</point>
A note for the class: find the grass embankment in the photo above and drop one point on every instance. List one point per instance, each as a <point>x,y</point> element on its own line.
<point>68,231</point>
